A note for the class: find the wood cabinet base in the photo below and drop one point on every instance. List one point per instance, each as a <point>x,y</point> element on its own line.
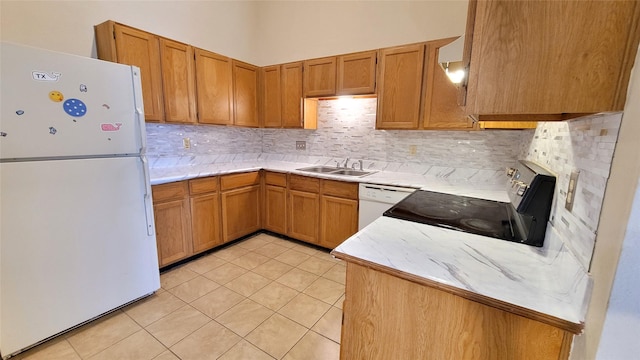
<point>386,317</point>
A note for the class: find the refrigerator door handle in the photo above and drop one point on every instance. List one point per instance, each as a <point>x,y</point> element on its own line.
<point>139,112</point>
<point>148,201</point>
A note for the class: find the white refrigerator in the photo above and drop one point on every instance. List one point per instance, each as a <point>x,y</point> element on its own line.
<point>76,218</point>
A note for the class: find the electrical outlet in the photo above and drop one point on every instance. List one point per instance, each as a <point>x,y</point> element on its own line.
<point>301,145</point>
<point>571,190</point>
<point>186,143</point>
<point>413,149</point>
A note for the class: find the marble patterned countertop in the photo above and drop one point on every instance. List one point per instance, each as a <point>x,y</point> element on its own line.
<point>546,283</point>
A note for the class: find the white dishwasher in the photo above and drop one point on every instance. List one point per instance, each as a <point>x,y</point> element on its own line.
<point>376,199</point>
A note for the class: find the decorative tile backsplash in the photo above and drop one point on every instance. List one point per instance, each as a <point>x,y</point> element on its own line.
<point>346,128</point>
<point>585,145</point>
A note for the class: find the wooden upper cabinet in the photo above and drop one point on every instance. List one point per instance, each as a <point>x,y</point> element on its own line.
<point>356,73</point>
<point>245,94</point>
<point>320,77</point>
<point>271,96</point>
<point>214,88</point>
<point>292,112</point>
<point>125,45</point>
<point>178,80</point>
<point>549,59</point>
<point>440,107</point>
<point>399,87</point>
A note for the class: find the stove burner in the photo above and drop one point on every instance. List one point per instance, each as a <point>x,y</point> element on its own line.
<point>438,212</point>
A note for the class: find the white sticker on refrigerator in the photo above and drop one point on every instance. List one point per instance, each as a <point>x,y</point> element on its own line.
<point>44,76</point>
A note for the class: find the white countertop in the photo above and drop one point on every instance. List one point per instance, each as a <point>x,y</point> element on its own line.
<point>547,280</point>
<point>481,190</point>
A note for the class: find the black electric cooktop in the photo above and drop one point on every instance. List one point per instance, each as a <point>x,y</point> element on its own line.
<point>476,216</point>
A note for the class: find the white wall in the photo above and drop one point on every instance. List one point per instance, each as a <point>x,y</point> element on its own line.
<point>226,27</point>
<point>619,338</point>
<point>615,217</point>
<point>259,32</point>
<point>297,30</point>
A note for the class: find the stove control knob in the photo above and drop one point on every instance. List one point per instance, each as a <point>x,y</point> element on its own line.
<point>521,188</point>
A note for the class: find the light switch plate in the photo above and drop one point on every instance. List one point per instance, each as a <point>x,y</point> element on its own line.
<point>301,145</point>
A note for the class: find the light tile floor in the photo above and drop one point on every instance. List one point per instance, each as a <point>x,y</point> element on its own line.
<point>261,298</point>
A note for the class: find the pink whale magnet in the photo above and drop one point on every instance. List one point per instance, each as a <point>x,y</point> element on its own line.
<point>110,127</point>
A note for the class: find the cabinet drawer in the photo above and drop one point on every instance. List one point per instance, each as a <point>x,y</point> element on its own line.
<point>233,181</point>
<point>169,191</point>
<point>203,185</point>
<point>341,189</point>
<point>277,179</point>
<point>304,183</point>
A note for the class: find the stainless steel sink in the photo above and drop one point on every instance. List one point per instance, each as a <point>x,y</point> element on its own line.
<point>319,169</point>
<point>335,171</point>
<point>350,172</point>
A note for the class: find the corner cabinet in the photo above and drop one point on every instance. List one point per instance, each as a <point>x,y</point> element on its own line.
<point>281,101</point>
<point>240,194</point>
<point>271,96</point>
<point>548,60</point>
<point>399,87</point>
<point>126,45</point>
<point>178,81</point>
<point>214,82</point>
<point>245,94</point>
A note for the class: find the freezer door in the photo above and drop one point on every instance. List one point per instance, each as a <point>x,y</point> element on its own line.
<point>56,105</point>
<point>73,245</point>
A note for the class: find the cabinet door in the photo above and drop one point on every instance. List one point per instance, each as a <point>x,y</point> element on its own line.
<point>173,233</point>
<point>245,94</point>
<point>240,212</point>
<point>320,77</point>
<point>304,208</point>
<point>275,209</point>
<point>441,109</point>
<point>178,81</point>
<point>271,102</point>
<point>215,88</point>
<point>339,220</point>
<point>357,73</point>
<point>399,87</point>
<point>292,116</point>
<point>535,57</point>
<point>139,48</point>
<point>205,222</point>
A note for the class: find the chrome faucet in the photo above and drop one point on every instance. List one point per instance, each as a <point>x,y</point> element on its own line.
<point>346,163</point>
<point>353,166</point>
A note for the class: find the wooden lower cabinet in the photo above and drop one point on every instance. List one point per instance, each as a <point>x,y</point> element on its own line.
<point>275,209</point>
<point>205,222</point>
<point>338,220</point>
<point>241,204</point>
<point>173,222</point>
<point>387,317</point>
<point>304,213</point>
